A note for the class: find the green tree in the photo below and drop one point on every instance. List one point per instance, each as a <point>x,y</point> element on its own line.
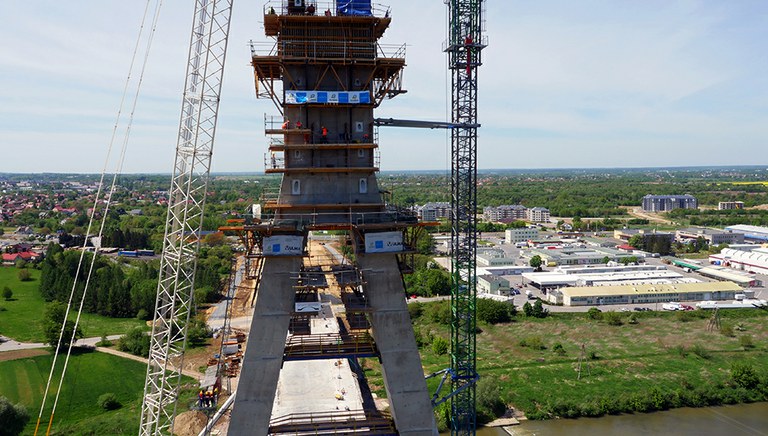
<point>744,375</point>
<point>527,309</point>
<point>135,342</point>
<point>439,346</point>
<point>536,262</point>
<point>538,310</point>
<point>13,417</point>
<point>492,311</point>
<point>7,293</point>
<point>53,319</point>
<point>489,403</point>
<point>637,241</point>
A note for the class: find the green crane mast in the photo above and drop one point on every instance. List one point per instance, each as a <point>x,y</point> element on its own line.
<point>464,47</point>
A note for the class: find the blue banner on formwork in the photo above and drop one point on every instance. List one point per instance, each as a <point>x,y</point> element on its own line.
<point>333,97</point>
<point>354,7</point>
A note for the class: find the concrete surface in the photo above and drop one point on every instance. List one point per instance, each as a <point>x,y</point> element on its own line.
<point>400,361</point>
<point>264,350</point>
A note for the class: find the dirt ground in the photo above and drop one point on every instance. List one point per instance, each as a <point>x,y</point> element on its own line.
<point>189,423</point>
<point>21,354</point>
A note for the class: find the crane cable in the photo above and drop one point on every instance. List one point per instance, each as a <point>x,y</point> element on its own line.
<point>106,211</point>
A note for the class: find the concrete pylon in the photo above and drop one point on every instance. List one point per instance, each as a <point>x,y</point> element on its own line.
<point>393,333</point>
<point>266,344</point>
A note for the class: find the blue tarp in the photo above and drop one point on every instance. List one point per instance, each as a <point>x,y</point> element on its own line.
<point>354,7</point>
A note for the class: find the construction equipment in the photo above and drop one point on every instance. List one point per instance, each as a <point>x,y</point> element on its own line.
<point>186,201</point>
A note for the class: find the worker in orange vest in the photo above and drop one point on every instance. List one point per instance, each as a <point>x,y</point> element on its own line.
<point>324,134</point>
<point>286,123</point>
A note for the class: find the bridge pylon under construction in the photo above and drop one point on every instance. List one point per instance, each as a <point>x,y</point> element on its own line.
<point>326,71</point>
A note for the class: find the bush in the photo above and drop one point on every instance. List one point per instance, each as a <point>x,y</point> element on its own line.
<point>108,401</point>
<point>726,329</point>
<point>7,293</point>
<point>700,351</point>
<point>104,342</point>
<point>533,342</point>
<point>24,275</point>
<point>492,311</point>
<point>142,314</point>
<point>558,349</point>
<point>440,312</point>
<point>13,417</point>
<point>632,319</point>
<point>613,318</point>
<point>527,309</point>
<point>744,375</point>
<point>415,309</point>
<point>595,314</point>
<point>134,342</point>
<point>489,403</point>
<point>538,310</point>
<point>746,342</point>
<point>439,346</point>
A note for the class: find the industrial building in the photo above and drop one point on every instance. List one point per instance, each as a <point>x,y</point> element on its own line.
<point>493,257</point>
<point>751,233</point>
<point>603,275</point>
<point>577,256</point>
<point>730,205</point>
<point>712,236</point>
<point>513,236</point>
<point>750,258</point>
<point>492,284</point>
<point>724,273</point>
<point>665,203</point>
<point>641,294</point>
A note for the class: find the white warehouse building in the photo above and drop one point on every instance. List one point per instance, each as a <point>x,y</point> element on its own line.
<point>513,236</point>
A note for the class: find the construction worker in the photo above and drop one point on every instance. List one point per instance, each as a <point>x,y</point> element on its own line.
<point>324,134</point>
<point>215,395</point>
<point>311,9</point>
<point>208,399</point>
<point>298,124</point>
<point>286,123</point>
<point>200,399</point>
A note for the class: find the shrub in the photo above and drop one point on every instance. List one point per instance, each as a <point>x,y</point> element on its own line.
<point>134,342</point>
<point>700,351</point>
<point>104,342</point>
<point>7,293</point>
<point>632,319</point>
<point>744,375</point>
<point>681,351</point>
<point>142,314</point>
<point>558,349</point>
<point>489,403</point>
<point>440,313</point>
<point>595,314</point>
<point>726,329</point>
<point>492,311</point>
<point>24,275</point>
<point>415,309</point>
<point>108,401</point>
<point>746,342</point>
<point>533,342</point>
<point>527,309</point>
<point>613,318</point>
<point>439,346</point>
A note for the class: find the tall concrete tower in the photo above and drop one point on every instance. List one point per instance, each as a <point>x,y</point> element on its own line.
<point>326,72</point>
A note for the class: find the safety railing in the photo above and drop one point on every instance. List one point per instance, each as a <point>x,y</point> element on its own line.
<point>328,49</point>
<point>323,346</point>
<point>323,8</point>
<point>341,422</point>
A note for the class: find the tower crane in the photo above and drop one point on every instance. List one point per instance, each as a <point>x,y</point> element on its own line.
<point>186,201</point>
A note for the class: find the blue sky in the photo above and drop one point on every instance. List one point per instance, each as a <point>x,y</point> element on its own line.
<point>564,84</point>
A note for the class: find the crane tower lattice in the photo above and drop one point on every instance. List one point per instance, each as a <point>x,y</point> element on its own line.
<point>186,200</point>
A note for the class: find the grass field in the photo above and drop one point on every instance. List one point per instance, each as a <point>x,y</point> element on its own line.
<point>21,319</point>
<point>90,375</point>
<point>658,352</point>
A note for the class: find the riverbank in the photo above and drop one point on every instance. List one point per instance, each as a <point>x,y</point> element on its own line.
<point>568,365</point>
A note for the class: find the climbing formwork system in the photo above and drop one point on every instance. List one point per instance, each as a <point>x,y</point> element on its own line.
<point>326,71</point>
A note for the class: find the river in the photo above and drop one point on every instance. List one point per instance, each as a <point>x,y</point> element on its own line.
<point>738,420</point>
